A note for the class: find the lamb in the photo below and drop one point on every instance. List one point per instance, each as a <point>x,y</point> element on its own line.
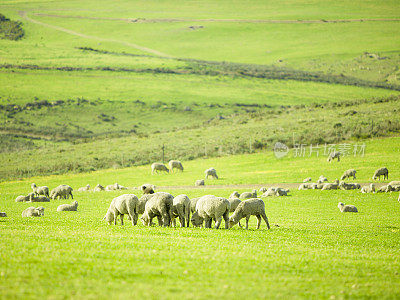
<point>368,189</point>
<point>199,182</point>
<point>308,179</point>
<point>3,215</point>
<point>40,190</point>
<point>331,186</point>
<point>148,188</point>
<point>142,202</point>
<point>24,198</point>
<point>349,173</point>
<point>181,209</point>
<point>62,191</point>
<point>126,204</point>
<point>333,155</point>
<point>98,188</point>
<point>33,212</point>
<point>157,167</point>
<point>160,206</point>
<point>211,172</point>
<point>347,208</point>
<point>193,203</point>
<point>234,195</point>
<point>68,207</point>
<point>349,186</point>
<point>84,188</point>
<point>175,164</point>
<point>322,179</point>
<point>381,172</point>
<point>248,195</point>
<point>39,199</point>
<point>210,208</point>
<point>247,208</point>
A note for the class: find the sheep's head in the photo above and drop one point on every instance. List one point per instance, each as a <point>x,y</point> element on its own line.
<point>40,210</point>
<point>145,219</point>
<point>233,220</point>
<point>33,185</point>
<point>340,204</point>
<point>109,217</point>
<point>75,203</point>
<point>196,219</point>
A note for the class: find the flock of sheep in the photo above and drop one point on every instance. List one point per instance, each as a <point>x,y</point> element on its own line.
<point>199,211</point>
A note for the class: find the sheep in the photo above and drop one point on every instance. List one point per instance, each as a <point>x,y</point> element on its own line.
<point>234,202</point>
<point>308,179</point>
<point>24,198</point>
<point>248,195</point>
<point>368,188</point>
<point>142,202</point>
<point>331,186</point>
<point>262,190</point>
<point>126,204</point>
<point>282,192</point>
<point>3,215</point>
<point>114,187</point>
<point>62,191</point>
<point>210,208</point>
<point>305,186</point>
<point>347,208</point>
<point>383,189</point>
<point>322,179</point>
<point>98,188</point>
<point>181,209</point>
<point>317,186</point>
<point>211,172</point>
<point>68,207</point>
<point>199,182</point>
<point>394,186</point>
<point>84,188</point>
<point>268,193</point>
<point>349,186</point>
<point>193,203</point>
<point>148,188</point>
<point>234,195</point>
<point>333,155</point>
<point>40,190</point>
<point>39,199</point>
<point>381,172</point>
<point>156,167</point>
<point>33,212</point>
<point>247,208</point>
<point>160,206</point>
<point>175,164</point>
<point>349,173</point>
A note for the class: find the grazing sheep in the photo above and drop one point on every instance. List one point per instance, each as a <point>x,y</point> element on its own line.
<point>193,203</point>
<point>333,155</point>
<point>347,208</point>
<point>84,188</point>
<point>181,209</point>
<point>175,164</point>
<point>98,188</point>
<point>160,206</point>
<point>234,202</point>
<point>308,179</point>
<point>331,186</point>
<point>211,172</point>
<point>199,182</point>
<point>142,202</point>
<point>156,167</point>
<point>24,198</point>
<point>126,204</point>
<point>3,215</point>
<point>148,188</point>
<point>40,190</point>
<point>349,186</point>
<point>381,172</point>
<point>210,208</point>
<point>349,173</point>
<point>234,195</point>
<point>62,191</point>
<point>247,208</point>
<point>39,199</point>
<point>68,207</point>
<point>33,212</point>
<point>248,195</point>
<point>368,188</point>
<point>322,179</point>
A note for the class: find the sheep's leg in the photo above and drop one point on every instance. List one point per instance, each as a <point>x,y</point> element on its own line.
<point>226,219</point>
<point>122,219</point>
<point>258,221</point>
<point>182,220</point>
<point>207,222</point>
<point>188,217</point>
<point>160,221</point>
<point>115,217</point>
<point>218,222</point>
<point>264,216</point>
<point>247,222</point>
<point>72,196</point>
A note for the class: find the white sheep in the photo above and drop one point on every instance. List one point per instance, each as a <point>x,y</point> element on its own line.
<point>322,179</point>
<point>68,207</point>
<point>193,203</point>
<point>247,208</point>
<point>98,188</point>
<point>383,189</point>
<point>39,199</point>
<point>115,187</point>
<point>381,172</point>
<point>333,155</point>
<point>308,179</point>
<point>181,209</point>
<point>394,186</point>
<point>3,215</point>
<point>199,182</point>
<point>33,212</point>
<point>24,198</point>
<point>210,208</point>
<point>262,190</point>
<point>127,204</point>
<point>248,195</point>
<point>40,190</point>
<point>282,192</point>
<point>269,192</point>
<point>234,202</point>
<point>347,208</point>
<point>331,186</point>
<point>211,172</point>
<point>304,186</point>
<point>157,167</point>
<point>62,191</point>
<point>160,206</point>
<point>317,186</point>
<point>175,164</point>
<point>142,202</point>
<point>368,188</point>
<point>84,188</point>
<point>234,195</point>
<point>349,186</point>
<point>349,173</point>
<point>148,188</point>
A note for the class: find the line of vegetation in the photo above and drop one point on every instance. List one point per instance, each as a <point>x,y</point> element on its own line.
<point>10,30</point>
